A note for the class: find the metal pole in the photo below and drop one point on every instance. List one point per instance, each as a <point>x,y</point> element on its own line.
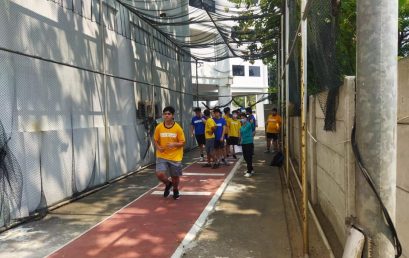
<point>303,69</point>
<point>197,86</point>
<point>279,99</point>
<point>104,85</point>
<point>181,109</point>
<point>287,90</point>
<point>281,78</point>
<point>376,117</point>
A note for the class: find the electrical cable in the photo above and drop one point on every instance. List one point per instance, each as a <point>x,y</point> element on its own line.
<point>396,243</point>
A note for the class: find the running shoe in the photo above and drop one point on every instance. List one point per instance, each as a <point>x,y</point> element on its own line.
<point>176,194</point>
<point>167,190</point>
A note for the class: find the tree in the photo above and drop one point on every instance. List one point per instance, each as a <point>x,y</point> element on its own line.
<point>257,29</point>
<point>403,37</point>
<point>262,32</point>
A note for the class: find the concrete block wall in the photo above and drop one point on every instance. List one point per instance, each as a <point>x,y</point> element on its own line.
<point>331,161</point>
<point>295,147</point>
<point>330,164</point>
<point>402,182</point>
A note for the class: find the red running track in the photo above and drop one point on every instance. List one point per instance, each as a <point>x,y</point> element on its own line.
<point>151,226</point>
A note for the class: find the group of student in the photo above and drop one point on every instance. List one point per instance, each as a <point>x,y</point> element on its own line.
<point>217,135</point>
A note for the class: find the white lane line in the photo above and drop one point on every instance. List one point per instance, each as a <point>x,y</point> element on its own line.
<point>184,193</point>
<point>202,174</point>
<point>202,218</point>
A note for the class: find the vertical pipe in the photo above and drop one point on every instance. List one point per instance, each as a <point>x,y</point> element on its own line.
<point>278,58</point>
<point>104,86</point>
<point>282,59</point>
<point>287,91</point>
<point>303,69</point>
<point>376,116</point>
<point>197,86</point>
<point>181,109</point>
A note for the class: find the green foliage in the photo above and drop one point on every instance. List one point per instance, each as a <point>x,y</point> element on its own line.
<point>403,37</point>
<point>267,31</point>
<point>346,41</point>
<point>245,101</point>
<point>264,29</point>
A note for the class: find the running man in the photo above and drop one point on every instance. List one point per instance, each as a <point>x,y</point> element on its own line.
<point>169,140</point>
<point>273,130</point>
<point>197,129</point>
<point>210,127</point>
<point>233,127</point>
<point>219,138</point>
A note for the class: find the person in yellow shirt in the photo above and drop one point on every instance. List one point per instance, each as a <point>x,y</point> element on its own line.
<point>169,140</point>
<point>210,127</point>
<point>227,116</point>
<point>273,130</point>
<point>233,126</point>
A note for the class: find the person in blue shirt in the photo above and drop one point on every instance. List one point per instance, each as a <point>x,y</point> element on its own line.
<point>197,129</point>
<point>247,144</point>
<point>219,137</point>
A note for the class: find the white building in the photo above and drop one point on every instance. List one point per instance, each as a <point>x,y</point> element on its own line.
<point>230,77</point>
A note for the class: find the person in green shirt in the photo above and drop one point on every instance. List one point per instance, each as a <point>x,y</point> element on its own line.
<point>247,144</point>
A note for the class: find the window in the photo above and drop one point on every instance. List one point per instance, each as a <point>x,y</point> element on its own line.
<point>238,70</point>
<point>254,71</point>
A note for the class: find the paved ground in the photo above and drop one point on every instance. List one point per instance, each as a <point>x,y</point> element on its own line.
<point>249,220</point>
<point>253,218</point>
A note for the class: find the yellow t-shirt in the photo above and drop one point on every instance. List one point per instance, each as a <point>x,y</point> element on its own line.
<point>273,124</point>
<point>234,127</point>
<point>164,135</point>
<point>209,134</point>
<point>227,118</point>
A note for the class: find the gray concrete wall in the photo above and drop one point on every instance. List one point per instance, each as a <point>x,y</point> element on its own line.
<point>332,168</point>
<point>402,182</point>
<point>331,164</point>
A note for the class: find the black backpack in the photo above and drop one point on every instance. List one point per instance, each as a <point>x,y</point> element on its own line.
<point>278,159</point>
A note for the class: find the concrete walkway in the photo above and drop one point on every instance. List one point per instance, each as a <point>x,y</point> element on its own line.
<point>248,221</point>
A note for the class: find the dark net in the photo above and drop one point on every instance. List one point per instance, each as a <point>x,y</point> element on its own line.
<point>294,61</point>
<point>324,76</point>
<point>323,69</point>
<point>11,181</point>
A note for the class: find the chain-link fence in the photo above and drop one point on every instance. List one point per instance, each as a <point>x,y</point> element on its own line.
<point>324,75</point>
<point>80,94</point>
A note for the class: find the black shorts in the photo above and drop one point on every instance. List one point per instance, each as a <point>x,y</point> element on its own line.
<point>233,140</point>
<point>200,138</point>
<point>218,144</point>
<point>273,136</point>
